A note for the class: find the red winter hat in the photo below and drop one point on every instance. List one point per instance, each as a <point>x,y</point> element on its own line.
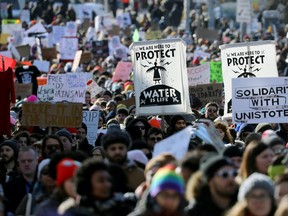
<point>72,130</point>
<point>66,169</point>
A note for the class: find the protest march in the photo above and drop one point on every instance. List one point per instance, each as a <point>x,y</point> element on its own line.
<point>144,108</point>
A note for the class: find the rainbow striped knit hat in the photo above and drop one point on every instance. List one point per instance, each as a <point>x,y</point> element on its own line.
<point>166,178</point>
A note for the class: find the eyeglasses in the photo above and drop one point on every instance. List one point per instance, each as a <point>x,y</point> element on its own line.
<point>227,173</point>
<point>53,146</point>
<point>156,139</point>
<point>212,110</point>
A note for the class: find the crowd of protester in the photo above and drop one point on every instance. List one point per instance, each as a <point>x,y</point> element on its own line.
<point>56,171</point>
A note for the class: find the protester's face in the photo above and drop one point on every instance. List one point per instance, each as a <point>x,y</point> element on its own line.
<point>101,184</point>
<point>133,111</point>
<point>211,112</point>
<point>153,139</point>
<point>100,122</point>
<point>52,146</point>
<point>7,154</point>
<point>87,98</point>
<point>22,141</point>
<point>120,117</point>
<point>69,187</point>
<point>180,124</point>
<point>259,202</point>
<point>107,98</point>
<point>263,160</point>
<point>141,126</point>
<point>221,132</point>
<point>27,162</point>
<point>67,145</point>
<point>236,161</point>
<point>110,107</point>
<point>96,155</point>
<point>169,200</point>
<point>82,134</point>
<point>45,179</point>
<point>281,190</point>
<point>223,182</point>
<point>117,153</point>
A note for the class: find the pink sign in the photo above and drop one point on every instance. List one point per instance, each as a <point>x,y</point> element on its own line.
<point>122,71</point>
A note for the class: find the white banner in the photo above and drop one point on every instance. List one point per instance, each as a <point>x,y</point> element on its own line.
<point>258,100</point>
<point>199,75</point>
<point>244,11</point>
<point>244,60</point>
<point>68,48</point>
<point>90,118</point>
<point>160,76</point>
<point>58,33</point>
<point>103,22</point>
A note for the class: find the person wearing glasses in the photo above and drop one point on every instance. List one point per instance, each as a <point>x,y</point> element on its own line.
<point>154,135</point>
<point>211,111</point>
<point>255,197</point>
<point>51,144</point>
<point>213,189</point>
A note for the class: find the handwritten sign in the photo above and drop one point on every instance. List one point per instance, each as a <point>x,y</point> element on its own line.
<point>58,33</point>
<point>122,71</point>
<point>45,93</point>
<point>42,66</point>
<point>167,145</point>
<point>68,87</point>
<point>216,72</point>
<point>208,92</point>
<point>46,114</point>
<point>68,48</point>
<point>23,89</point>
<point>71,29</point>
<point>90,118</point>
<point>93,88</point>
<point>199,75</point>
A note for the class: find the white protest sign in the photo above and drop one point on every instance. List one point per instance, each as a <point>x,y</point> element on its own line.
<point>199,75</point>
<point>76,61</point>
<point>103,22</point>
<point>90,118</point>
<point>93,88</point>
<point>10,28</point>
<point>68,48</point>
<point>244,11</point>
<point>25,16</point>
<point>259,100</point>
<point>58,33</point>
<point>3,10</point>
<point>124,20</point>
<point>42,66</point>
<point>160,76</point>
<point>244,60</point>
<point>6,53</point>
<point>17,37</point>
<point>37,28</point>
<point>113,44</point>
<point>69,87</point>
<point>177,144</point>
<point>45,93</point>
<point>201,54</point>
<point>71,29</point>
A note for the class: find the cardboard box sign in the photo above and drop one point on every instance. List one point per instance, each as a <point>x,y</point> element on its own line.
<point>129,102</point>
<point>23,90</point>
<point>24,51</point>
<point>49,53</point>
<point>45,114</point>
<point>86,57</point>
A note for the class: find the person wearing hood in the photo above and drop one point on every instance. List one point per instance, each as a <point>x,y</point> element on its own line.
<point>177,123</point>
<point>84,145</point>
<point>243,131</point>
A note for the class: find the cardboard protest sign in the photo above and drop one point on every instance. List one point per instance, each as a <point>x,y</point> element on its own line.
<point>45,93</point>
<point>114,31</point>
<point>42,66</point>
<point>24,51</point>
<point>71,29</point>
<point>124,20</point>
<point>69,87</point>
<point>46,114</point>
<point>128,102</point>
<point>122,71</point>
<point>153,35</point>
<point>103,22</point>
<point>90,118</point>
<point>93,88</point>
<point>199,75</point>
<point>177,144</point>
<point>4,38</point>
<point>49,53</point>
<point>58,32</point>
<point>258,100</point>
<point>100,49</point>
<point>85,57</point>
<point>209,34</point>
<point>244,60</point>
<point>68,48</point>
<point>208,92</point>
<point>160,77</point>
<point>244,11</point>
<point>10,25</point>
<point>216,72</point>
<point>23,89</point>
